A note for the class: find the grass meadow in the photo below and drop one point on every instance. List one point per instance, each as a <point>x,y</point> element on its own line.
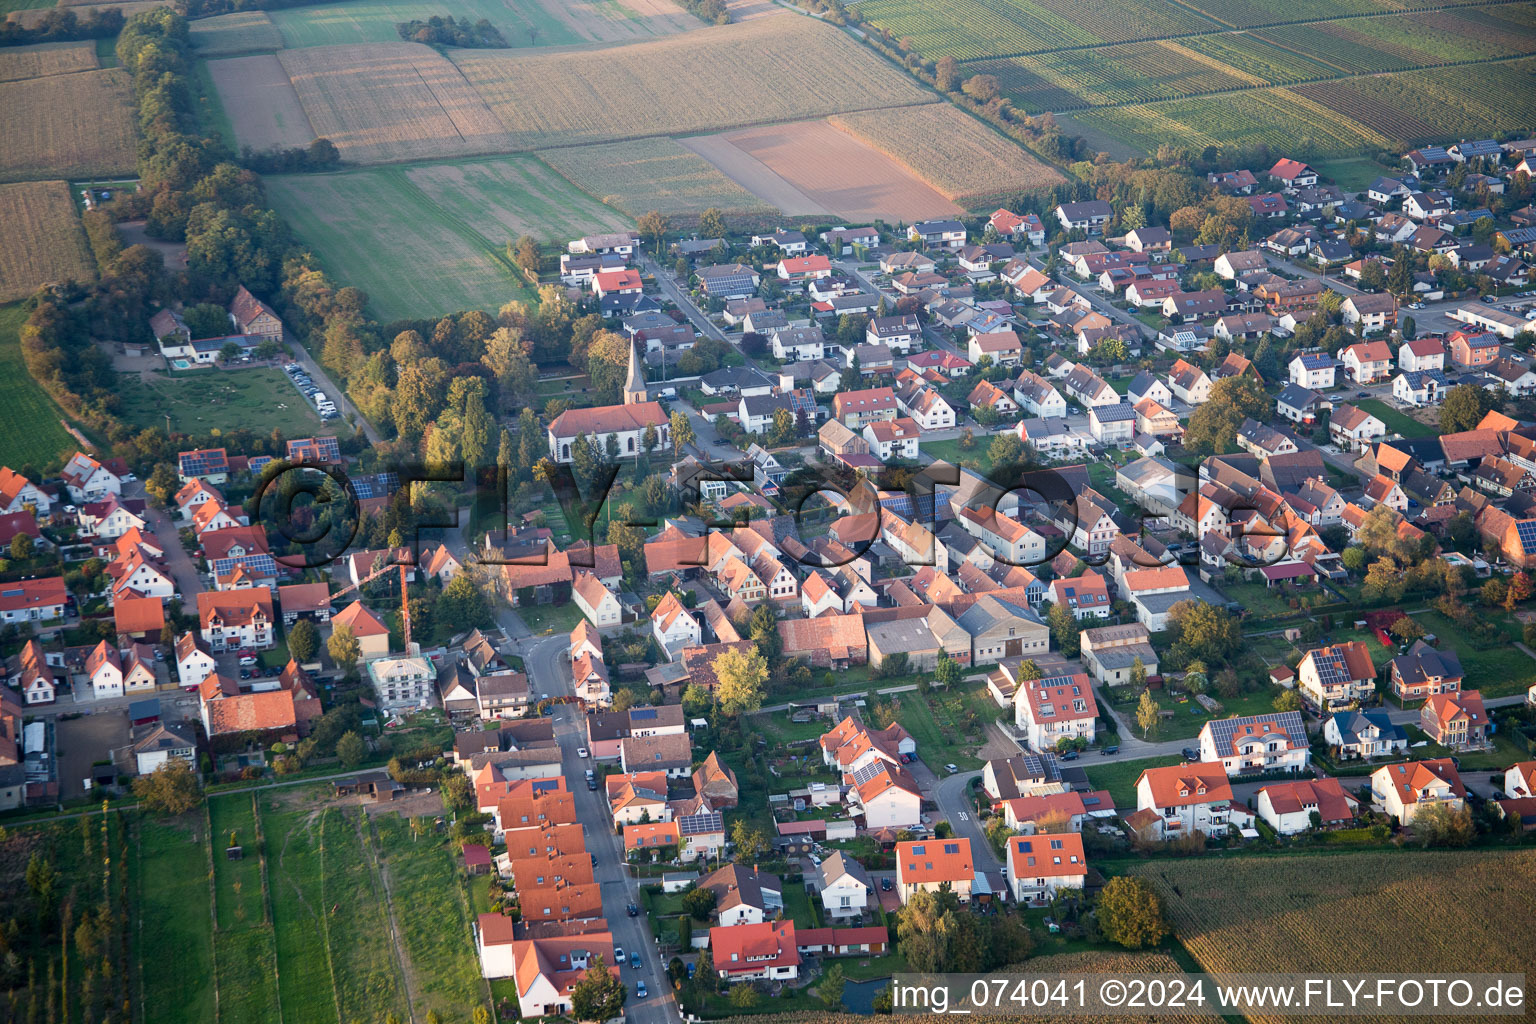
<point>259,399</point>
<point>30,427</point>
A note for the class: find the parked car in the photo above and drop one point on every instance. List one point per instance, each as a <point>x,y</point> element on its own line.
<point>885,885</point>
<point>1191,754</point>
<point>952,768</point>
<point>640,989</point>
<point>634,960</point>
<point>632,910</point>
<point>581,752</point>
<point>247,659</point>
<point>1069,755</point>
<point>1113,748</point>
<point>618,953</point>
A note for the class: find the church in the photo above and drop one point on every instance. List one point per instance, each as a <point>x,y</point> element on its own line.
<point>626,422</point>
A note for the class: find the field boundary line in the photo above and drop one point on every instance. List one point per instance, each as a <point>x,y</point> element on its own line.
<point>380,875</point>
<point>213,906</point>
<point>1235,30</point>
<point>330,962</point>
<point>266,898</point>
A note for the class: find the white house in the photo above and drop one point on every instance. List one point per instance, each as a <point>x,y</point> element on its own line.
<point>1275,742</point>
<point>845,886</point>
<point>1178,799</point>
<point>1402,789</point>
<point>88,480</point>
<point>1421,354</point>
<point>1314,370</point>
<point>596,601</point>
<point>17,493</point>
<point>1364,734</point>
<point>1057,708</point>
<point>1419,387</point>
<point>1038,397</point>
<point>104,668</point>
<point>1354,429</point>
<point>162,741</point>
<point>1367,361</point>
<point>673,626</point>
<point>193,661</point>
<point>1040,866</point>
<point>1287,807</point>
<point>893,439</point>
<point>886,795</point>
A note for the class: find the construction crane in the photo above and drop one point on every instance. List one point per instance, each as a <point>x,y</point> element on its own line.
<point>405,595</point>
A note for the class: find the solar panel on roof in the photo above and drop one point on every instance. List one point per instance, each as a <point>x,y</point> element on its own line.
<point>260,565</point>
<point>640,714</point>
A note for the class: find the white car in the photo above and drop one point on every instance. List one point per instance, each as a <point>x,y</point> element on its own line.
<point>952,768</point>
<point>581,752</point>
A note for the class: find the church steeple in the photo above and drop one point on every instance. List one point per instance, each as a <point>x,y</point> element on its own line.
<point>634,384</point>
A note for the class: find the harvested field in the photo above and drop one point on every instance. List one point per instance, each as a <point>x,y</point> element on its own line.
<point>22,62</point>
<point>841,173</point>
<point>40,238</point>
<point>1277,914</point>
<point>753,175</point>
<point>241,32</point>
<point>963,159</point>
<point>434,237</point>
<point>653,174</point>
<point>67,126</point>
<point>524,23</point>
<point>391,101</point>
<point>713,79</point>
<point>32,17</point>
<point>260,102</point>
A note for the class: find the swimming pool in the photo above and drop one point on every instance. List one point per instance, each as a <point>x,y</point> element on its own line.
<point>181,364</point>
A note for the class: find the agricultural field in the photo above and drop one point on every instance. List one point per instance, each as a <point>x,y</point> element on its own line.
<point>41,240</point>
<point>653,174</point>
<point>171,896</point>
<point>964,159</point>
<point>1277,914</point>
<point>504,198</point>
<point>1251,55</point>
<point>29,16</point>
<point>1132,73</point>
<point>260,399</point>
<point>381,102</point>
<point>1281,118</point>
<point>67,126</point>
<point>412,256</point>
<point>1416,106</point>
<point>798,68</point>
<point>972,29</point>
<point>241,32</point>
<point>31,430</point>
<point>244,953</point>
<point>524,23</point>
<point>1247,13</point>
<point>752,174</point>
<point>841,173</point>
<point>18,63</point>
<point>260,105</point>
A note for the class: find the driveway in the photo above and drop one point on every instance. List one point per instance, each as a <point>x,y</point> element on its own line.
<point>180,565</point>
<point>323,381</point>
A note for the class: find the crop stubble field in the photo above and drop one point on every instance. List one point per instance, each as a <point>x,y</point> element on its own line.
<point>240,32</point>
<point>653,174</point>
<point>67,126</point>
<point>524,23</point>
<point>22,62</point>
<point>1394,910</point>
<point>711,80</point>
<point>963,159</point>
<point>41,240</point>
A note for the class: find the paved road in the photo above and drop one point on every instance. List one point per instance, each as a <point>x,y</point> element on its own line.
<point>182,569</point>
<point>324,383</point>
<point>684,301</point>
<point>1284,266</point>
<point>548,672</point>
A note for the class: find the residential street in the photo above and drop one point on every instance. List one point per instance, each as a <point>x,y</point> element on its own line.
<point>182,569</point>
<point>548,672</point>
<point>324,383</point>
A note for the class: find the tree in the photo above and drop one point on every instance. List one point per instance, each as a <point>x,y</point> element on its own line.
<point>1464,408</point>
<point>763,631</point>
<point>712,223</point>
<point>744,996</point>
<point>1213,425</point>
<point>946,74</point>
<point>981,87</point>
<point>1384,582</point>
<point>162,482</point>
<point>206,320</point>
<point>749,841</point>
<point>350,749</point>
<point>343,647</point>
<point>1437,824</point>
<point>1006,450</point>
<point>740,676</point>
<point>1146,712</point>
<point>1065,629</point>
<point>229,351</point>
<point>1130,913</point>
<point>598,995</point>
<point>682,431</point>
<point>1204,632</point>
<point>947,671</point>
<point>170,789</point>
<point>526,254</point>
<point>1372,277</point>
<point>1288,700</point>
<point>830,991</point>
<point>21,547</point>
<point>303,641</point>
<point>698,902</point>
<point>653,225</point>
<point>1138,673</point>
<point>1354,559</point>
<point>1406,629</point>
<point>462,605</point>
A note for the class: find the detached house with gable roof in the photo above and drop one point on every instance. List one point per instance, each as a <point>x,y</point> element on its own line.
<point>1338,675</point>
<point>1456,719</point>
<point>1040,866</point>
<point>931,864</point>
<point>1057,708</point>
<point>1287,807</point>
<point>1402,789</point>
<point>1179,799</point>
<point>1425,671</point>
<point>674,627</point>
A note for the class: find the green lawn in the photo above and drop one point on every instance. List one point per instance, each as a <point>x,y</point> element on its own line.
<point>368,977</point>
<point>431,239</point>
<point>171,892</point>
<point>936,722</point>
<point>260,399</point>
<point>1397,422</point>
<point>975,457</point>
<point>1497,670</point>
<point>433,916</point>
<point>1353,174</point>
<point>1190,717</point>
<point>1505,752</point>
<point>245,954</point>
<point>550,618</point>
<point>1262,602</point>
<point>797,905</point>
<point>1120,777</point>
<point>299,918</point>
<point>30,429</point>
